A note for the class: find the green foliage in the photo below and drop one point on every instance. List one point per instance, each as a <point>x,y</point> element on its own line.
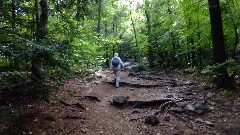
<point>180,37</point>
<point>2,129</point>
<point>10,79</point>
<point>225,93</point>
<point>230,65</point>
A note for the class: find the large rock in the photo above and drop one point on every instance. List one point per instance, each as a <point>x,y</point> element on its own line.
<point>120,100</point>
<point>152,120</point>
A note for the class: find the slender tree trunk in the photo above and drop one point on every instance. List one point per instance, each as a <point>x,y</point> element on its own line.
<point>14,14</point>
<point>171,34</point>
<point>136,41</point>
<point>78,14</point>
<point>43,19</point>
<point>106,47</point>
<point>37,17</point>
<point>41,33</point>
<point>149,26</point>
<point>199,49</point>
<point>235,28</point>
<point>13,62</point>
<point>99,19</point>
<point>219,55</point>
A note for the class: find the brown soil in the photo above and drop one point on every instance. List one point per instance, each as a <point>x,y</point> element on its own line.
<point>83,107</point>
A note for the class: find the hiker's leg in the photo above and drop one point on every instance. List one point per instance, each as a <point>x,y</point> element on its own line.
<point>117,78</point>
<point>114,73</point>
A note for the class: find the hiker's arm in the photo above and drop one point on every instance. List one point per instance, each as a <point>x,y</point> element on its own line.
<point>120,61</point>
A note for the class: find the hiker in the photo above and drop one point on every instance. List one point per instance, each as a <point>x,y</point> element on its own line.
<point>115,66</point>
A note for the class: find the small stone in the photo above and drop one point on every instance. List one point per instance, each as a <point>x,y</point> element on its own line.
<point>190,107</point>
<point>84,130</point>
<point>212,103</point>
<point>101,132</point>
<point>166,118</point>
<point>211,108</point>
<point>199,120</point>
<point>200,106</point>
<point>97,82</point>
<point>209,123</point>
<point>200,112</point>
<point>227,103</point>
<point>209,95</point>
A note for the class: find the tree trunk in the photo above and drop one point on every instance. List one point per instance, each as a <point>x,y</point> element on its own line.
<point>235,28</point>
<point>37,17</point>
<point>99,19</point>
<point>13,14</point>
<point>149,26</point>
<point>199,49</point>
<point>136,41</point>
<point>41,33</point>
<point>43,22</point>
<point>171,34</point>
<point>219,56</point>
<point>13,61</point>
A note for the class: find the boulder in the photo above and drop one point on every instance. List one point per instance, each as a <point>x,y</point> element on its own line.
<point>152,120</point>
<point>120,100</point>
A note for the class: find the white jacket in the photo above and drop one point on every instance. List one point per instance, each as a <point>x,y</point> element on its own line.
<point>119,59</point>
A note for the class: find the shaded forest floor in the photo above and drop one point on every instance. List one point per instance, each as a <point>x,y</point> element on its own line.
<point>179,104</point>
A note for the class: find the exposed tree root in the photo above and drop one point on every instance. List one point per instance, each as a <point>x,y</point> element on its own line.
<point>74,117</point>
<point>138,85</point>
<point>146,104</point>
<point>75,104</point>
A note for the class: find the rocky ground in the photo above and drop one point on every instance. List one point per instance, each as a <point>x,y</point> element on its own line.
<point>146,103</point>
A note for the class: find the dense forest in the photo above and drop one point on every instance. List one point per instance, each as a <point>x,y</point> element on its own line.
<point>54,39</point>
<point>181,76</point>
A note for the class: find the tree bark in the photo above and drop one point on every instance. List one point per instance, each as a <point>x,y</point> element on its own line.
<point>99,19</point>
<point>13,14</point>
<point>149,26</point>
<point>37,17</point>
<point>41,33</point>
<point>171,34</point>
<point>136,41</point>
<point>219,56</point>
<point>43,22</point>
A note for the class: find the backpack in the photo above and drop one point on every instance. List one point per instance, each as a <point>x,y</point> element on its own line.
<point>115,62</point>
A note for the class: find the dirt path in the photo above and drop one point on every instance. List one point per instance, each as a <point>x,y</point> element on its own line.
<point>83,107</point>
<point>199,112</point>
